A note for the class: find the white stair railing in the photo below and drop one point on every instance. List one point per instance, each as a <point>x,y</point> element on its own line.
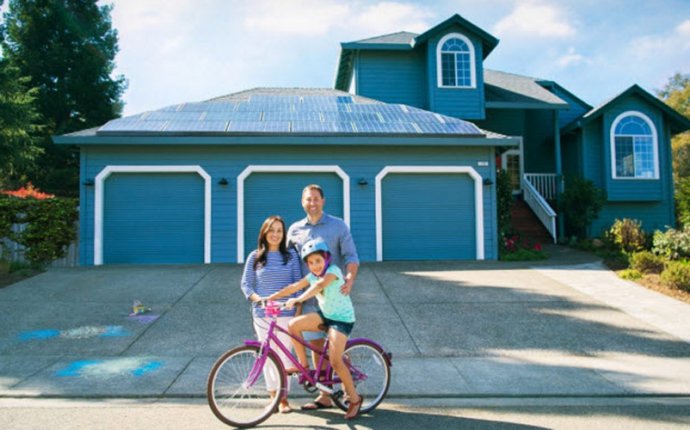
<point>539,206</point>
<point>544,183</point>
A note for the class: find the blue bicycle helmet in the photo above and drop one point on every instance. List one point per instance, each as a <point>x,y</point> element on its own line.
<point>313,246</point>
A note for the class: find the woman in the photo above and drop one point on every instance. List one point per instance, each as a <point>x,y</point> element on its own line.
<point>268,269</point>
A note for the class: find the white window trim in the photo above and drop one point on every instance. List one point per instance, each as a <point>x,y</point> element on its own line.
<point>655,143</point>
<point>478,201</point>
<point>99,188</point>
<point>439,71</point>
<point>284,169</point>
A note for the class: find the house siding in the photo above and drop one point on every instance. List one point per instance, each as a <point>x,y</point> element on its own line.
<point>393,76</point>
<point>465,103</point>
<point>653,215</point>
<point>647,200</point>
<point>636,189</point>
<point>536,129</point>
<point>358,162</point>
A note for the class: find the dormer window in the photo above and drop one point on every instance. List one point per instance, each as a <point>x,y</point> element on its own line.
<point>634,153</point>
<point>455,62</point>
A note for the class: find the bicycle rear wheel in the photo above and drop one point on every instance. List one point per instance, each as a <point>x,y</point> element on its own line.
<point>371,375</point>
<point>239,398</point>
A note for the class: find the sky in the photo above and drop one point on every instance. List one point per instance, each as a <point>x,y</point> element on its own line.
<point>174,51</point>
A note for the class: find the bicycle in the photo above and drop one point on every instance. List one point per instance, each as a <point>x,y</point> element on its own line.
<point>238,384</point>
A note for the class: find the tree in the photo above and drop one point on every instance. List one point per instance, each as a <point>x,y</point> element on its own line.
<point>67,49</point>
<point>676,94</point>
<point>19,127</point>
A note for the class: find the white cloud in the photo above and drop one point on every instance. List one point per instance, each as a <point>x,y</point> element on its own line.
<point>683,31</point>
<point>571,59</point>
<point>299,17</point>
<point>651,47</point>
<point>320,17</point>
<point>534,18</point>
<point>389,17</point>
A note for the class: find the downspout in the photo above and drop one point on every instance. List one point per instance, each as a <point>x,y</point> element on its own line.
<point>559,169</point>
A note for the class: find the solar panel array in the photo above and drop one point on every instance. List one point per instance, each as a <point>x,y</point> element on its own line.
<point>291,114</point>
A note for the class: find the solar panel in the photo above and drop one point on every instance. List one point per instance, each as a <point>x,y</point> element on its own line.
<point>375,107</point>
<point>168,116</point>
<point>232,116</point>
<point>272,113</point>
<point>291,116</point>
<point>453,128</point>
<point>259,126</point>
<point>351,116</point>
<point>311,127</point>
<point>121,125</point>
<point>217,126</point>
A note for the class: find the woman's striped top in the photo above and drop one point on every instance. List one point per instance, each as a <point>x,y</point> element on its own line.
<point>271,278</point>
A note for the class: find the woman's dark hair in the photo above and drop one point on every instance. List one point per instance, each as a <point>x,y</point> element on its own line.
<point>262,242</point>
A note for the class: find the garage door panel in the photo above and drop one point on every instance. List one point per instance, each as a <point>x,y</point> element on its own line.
<point>153,218</point>
<point>278,193</point>
<point>428,217</point>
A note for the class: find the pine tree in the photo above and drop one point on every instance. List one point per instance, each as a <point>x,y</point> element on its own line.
<point>67,49</point>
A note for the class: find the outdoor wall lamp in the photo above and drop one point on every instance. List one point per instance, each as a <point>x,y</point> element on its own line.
<point>88,182</point>
<point>223,181</point>
<point>488,181</point>
<point>363,182</point>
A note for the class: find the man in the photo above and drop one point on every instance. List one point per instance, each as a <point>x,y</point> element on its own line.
<point>336,234</point>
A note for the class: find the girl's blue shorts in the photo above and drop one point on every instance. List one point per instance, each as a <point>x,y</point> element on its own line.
<point>343,327</point>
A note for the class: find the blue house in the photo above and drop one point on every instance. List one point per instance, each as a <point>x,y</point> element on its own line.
<point>623,146</point>
<point>406,147</point>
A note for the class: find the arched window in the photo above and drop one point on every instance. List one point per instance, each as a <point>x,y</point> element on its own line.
<point>634,152</point>
<point>455,62</point>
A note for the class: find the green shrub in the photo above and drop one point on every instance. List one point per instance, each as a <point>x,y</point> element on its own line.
<point>677,274</point>
<point>504,198</point>
<point>49,225</point>
<point>630,274</point>
<point>580,202</point>
<point>672,244</point>
<point>646,262</point>
<point>524,255</point>
<point>628,235</point>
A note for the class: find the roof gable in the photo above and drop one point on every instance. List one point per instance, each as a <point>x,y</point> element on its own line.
<point>488,41</point>
<point>678,122</point>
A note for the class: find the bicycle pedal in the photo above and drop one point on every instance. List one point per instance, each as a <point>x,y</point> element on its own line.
<point>324,388</point>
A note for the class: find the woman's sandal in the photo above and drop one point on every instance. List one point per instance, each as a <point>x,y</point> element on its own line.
<point>353,408</point>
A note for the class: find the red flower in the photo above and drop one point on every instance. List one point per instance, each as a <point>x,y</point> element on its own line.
<point>29,191</point>
<point>537,247</point>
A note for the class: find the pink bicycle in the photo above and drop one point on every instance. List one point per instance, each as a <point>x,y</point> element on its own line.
<point>242,380</point>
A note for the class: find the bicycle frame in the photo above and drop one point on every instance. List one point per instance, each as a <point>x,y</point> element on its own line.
<point>265,348</point>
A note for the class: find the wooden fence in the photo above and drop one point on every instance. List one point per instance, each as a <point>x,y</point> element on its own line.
<point>16,251</point>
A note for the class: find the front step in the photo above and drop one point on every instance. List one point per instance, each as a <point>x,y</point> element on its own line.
<point>527,225</point>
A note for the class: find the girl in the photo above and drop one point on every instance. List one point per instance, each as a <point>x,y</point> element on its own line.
<point>268,268</point>
<point>335,312</point>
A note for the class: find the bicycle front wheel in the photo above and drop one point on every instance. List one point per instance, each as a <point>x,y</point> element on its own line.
<point>371,374</point>
<point>240,394</point>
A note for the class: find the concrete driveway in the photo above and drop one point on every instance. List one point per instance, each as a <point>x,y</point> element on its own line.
<point>562,327</point>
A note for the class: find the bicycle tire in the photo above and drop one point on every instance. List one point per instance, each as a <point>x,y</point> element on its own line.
<point>231,400</point>
<point>370,360</point>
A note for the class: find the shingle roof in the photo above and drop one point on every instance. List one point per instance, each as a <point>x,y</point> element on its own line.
<point>290,111</point>
<point>505,89</point>
<point>399,38</point>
